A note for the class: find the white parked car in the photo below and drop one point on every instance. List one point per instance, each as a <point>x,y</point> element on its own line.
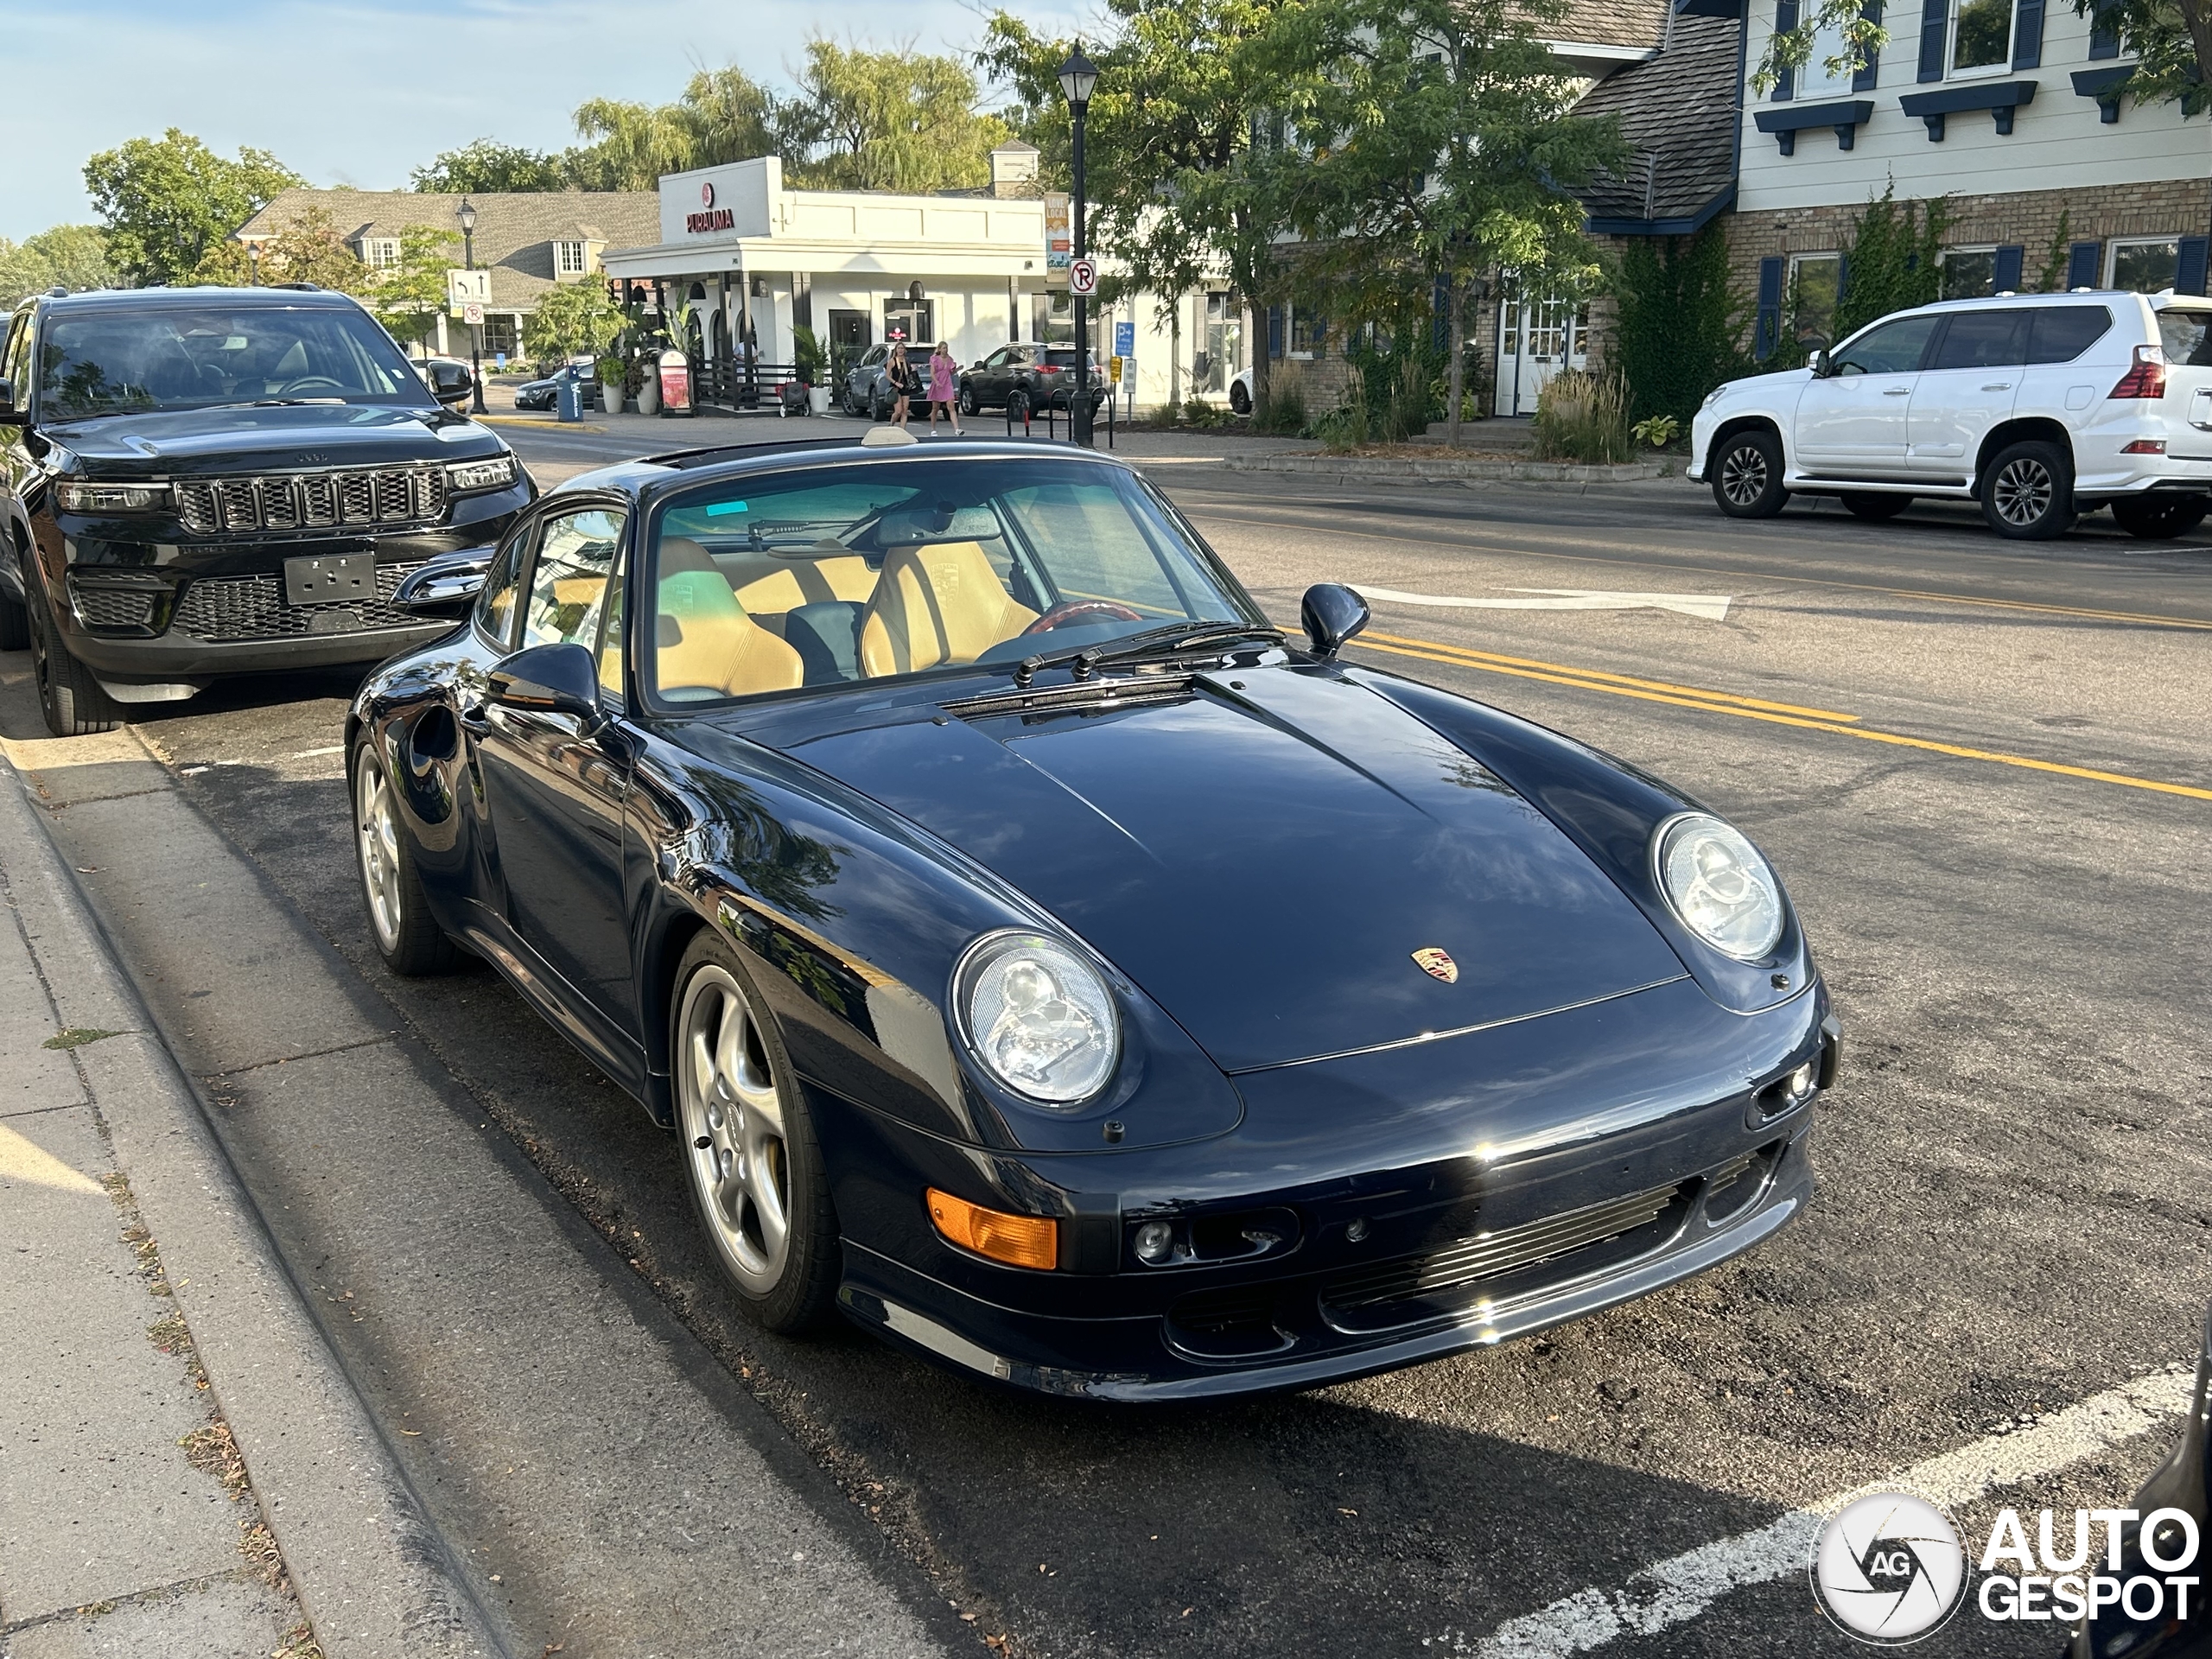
<point>2039,406</point>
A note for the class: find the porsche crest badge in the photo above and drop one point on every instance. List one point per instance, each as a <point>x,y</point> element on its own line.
<point>1436,962</point>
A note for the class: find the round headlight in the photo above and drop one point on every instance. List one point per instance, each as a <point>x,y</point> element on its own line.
<point>1038,1016</point>
<point>1718,885</point>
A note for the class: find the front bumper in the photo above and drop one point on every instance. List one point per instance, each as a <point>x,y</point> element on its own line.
<point>1521,1184</point>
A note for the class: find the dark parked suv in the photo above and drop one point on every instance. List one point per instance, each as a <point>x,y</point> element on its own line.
<point>196,482</point>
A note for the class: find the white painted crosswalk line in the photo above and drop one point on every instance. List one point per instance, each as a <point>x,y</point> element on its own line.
<point>1676,1591</point>
<point>1710,607</point>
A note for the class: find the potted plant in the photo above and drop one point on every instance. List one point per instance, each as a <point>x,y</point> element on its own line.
<point>648,380</point>
<point>813,366</point>
<point>610,384</point>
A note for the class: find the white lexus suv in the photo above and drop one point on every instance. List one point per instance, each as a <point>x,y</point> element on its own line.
<point>2041,407</point>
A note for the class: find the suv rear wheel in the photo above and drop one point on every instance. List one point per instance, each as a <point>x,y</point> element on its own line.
<point>1872,507</point>
<point>2160,518</point>
<point>1747,474</point>
<point>2027,492</point>
<point>73,702</point>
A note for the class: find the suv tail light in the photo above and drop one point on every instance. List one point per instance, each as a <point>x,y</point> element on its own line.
<point>2147,378</point>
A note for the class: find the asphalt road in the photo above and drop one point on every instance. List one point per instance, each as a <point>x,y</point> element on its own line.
<point>1983,769</point>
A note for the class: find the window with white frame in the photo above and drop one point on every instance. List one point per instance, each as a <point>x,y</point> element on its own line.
<point>1814,81</point>
<point>1981,37</point>
<point>380,252</point>
<point>569,259</point>
<point>1967,273</point>
<point>2144,264</point>
<point>1816,281</point>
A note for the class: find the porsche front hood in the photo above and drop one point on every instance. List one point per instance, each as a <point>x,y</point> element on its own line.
<point>1266,854</point>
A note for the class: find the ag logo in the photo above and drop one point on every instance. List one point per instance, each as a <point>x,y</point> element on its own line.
<point>1436,962</point>
<point>1889,1569</point>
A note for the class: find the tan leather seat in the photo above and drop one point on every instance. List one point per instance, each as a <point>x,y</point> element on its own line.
<point>705,640</point>
<point>807,581</point>
<point>940,602</point>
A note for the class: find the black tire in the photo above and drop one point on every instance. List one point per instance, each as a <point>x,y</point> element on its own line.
<point>2027,492</point>
<point>968,406</point>
<point>407,936</point>
<point>14,624</point>
<point>1746,472</point>
<point>739,1165</point>
<point>1240,399</point>
<point>1873,508</point>
<point>73,702</point>
<point>2160,518</point>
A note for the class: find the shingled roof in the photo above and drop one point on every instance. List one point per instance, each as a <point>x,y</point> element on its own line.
<point>515,232</point>
<point>1640,24</point>
<point>1679,112</point>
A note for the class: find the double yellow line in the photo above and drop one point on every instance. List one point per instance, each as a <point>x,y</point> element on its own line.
<point>1728,702</point>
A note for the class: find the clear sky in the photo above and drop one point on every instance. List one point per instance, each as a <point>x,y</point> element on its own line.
<point>358,91</point>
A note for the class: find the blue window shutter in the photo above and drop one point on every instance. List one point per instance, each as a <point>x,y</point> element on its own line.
<point>1934,23</point>
<point>2188,270</point>
<point>2082,261</point>
<point>2009,261</point>
<point>1870,70</point>
<point>1766,332</point>
<point>1785,19</point>
<point>1275,331</point>
<point>2104,33</point>
<point>2027,35</point>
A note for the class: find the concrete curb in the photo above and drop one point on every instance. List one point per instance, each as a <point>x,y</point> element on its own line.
<point>1451,472</point>
<point>373,1575</point>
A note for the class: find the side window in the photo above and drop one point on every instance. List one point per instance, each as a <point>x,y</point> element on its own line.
<point>1888,347</point>
<point>2187,336</point>
<point>495,606</point>
<point>612,649</point>
<point>569,580</point>
<point>11,357</point>
<point>1984,339</point>
<point>2062,332</point>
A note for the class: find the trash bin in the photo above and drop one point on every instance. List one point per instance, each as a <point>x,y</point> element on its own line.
<point>675,372</point>
<point>567,400</point>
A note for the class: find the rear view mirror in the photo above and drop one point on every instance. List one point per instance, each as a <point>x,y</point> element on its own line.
<point>446,586</point>
<point>558,679</point>
<point>1332,613</point>
<point>450,382</point>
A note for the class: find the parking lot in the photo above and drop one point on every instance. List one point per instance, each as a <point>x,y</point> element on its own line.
<point>1981,766</point>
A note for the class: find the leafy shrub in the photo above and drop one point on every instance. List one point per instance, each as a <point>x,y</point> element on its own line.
<point>1347,426</point>
<point>1678,329</point>
<point>1583,417</point>
<point>1658,431</point>
<point>1203,416</point>
<point>1281,412</point>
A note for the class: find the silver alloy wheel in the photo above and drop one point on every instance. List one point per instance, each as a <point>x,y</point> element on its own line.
<point>2022,493</point>
<point>1743,475</point>
<point>377,836</point>
<point>732,1124</point>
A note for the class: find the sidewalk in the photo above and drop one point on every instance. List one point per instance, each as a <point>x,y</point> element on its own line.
<point>184,1471</point>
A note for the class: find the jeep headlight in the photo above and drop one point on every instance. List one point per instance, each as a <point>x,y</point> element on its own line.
<point>1038,1016</point>
<point>110,498</point>
<point>1716,881</point>
<point>466,477</point>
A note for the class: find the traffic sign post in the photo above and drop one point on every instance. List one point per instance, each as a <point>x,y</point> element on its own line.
<point>1083,276</point>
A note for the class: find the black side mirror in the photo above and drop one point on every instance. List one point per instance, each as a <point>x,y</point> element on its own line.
<point>447,584</point>
<point>559,678</point>
<point>1332,613</point>
<point>450,382</point>
<point>1821,370</point>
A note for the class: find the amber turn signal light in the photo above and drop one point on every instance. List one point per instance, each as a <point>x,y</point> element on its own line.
<point>1018,1241</point>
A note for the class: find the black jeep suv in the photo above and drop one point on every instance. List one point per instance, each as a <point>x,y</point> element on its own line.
<point>203,481</point>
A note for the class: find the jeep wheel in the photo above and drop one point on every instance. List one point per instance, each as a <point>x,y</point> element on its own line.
<point>2158,518</point>
<point>1865,504</point>
<point>73,702</point>
<point>2027,493</point>
<point>1746,469</point>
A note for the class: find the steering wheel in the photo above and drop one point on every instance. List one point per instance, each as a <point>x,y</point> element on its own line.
<point>1081,610</point>
<point>307,380</point>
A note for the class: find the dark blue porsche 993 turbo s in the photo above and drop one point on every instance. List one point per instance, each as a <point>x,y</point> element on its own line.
<point>1045,961</point>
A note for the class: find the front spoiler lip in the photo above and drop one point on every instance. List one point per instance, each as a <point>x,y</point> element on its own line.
<point>1577,1298</point>
<point>169,658</point>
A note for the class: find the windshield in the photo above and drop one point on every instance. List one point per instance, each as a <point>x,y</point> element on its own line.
<point>123,358</point>
<point>839,574</point>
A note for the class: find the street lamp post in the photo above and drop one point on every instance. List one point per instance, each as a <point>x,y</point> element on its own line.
<point>1077,76</point>
<point>475,331</point>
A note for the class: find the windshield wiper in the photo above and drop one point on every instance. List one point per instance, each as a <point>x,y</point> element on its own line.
<point>1152,645</point>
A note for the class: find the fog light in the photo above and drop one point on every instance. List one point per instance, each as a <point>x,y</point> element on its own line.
<point>1018,1241</point>
<point>1156,1241</point>
<point>1801,1081</point>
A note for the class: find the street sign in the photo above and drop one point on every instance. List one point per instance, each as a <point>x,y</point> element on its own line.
<point>1115,375</point>
<point>472,313</point>
<point>465,287</point>
<point>1125,339</point>
<point>1083,276</point>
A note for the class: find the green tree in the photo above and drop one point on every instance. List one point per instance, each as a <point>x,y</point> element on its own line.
<point>1858,36</point>
<point>487,165</point>
<point>408,297</point>
<point>1678,328</point>
<point>308,249</point>
<point>632,144</point>
<point>733,117</point>
<point>575,318</point>
<point>165,201</point>
<point>1178,192</point>
<point>1435,145</point>
<point>894,120</point>
<point>2171,41</point>
<point>68,255</point>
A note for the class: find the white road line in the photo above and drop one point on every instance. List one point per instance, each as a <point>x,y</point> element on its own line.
<point>1674,1592</point>
<point>1710,607</point>
<point>316,754</point>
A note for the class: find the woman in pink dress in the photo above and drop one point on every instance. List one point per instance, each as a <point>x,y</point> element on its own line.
<point>942,370</point>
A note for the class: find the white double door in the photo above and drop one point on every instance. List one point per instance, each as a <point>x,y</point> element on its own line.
<point>1535,339</point>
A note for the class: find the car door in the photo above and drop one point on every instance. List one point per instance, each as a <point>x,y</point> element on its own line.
<point>553,784</point>
<point>987,379</point>
<point>1852,421</point>
<point>1972,378</point>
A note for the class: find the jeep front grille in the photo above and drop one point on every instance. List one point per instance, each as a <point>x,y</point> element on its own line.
<point>379,497</point>
<point>225,608</point>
